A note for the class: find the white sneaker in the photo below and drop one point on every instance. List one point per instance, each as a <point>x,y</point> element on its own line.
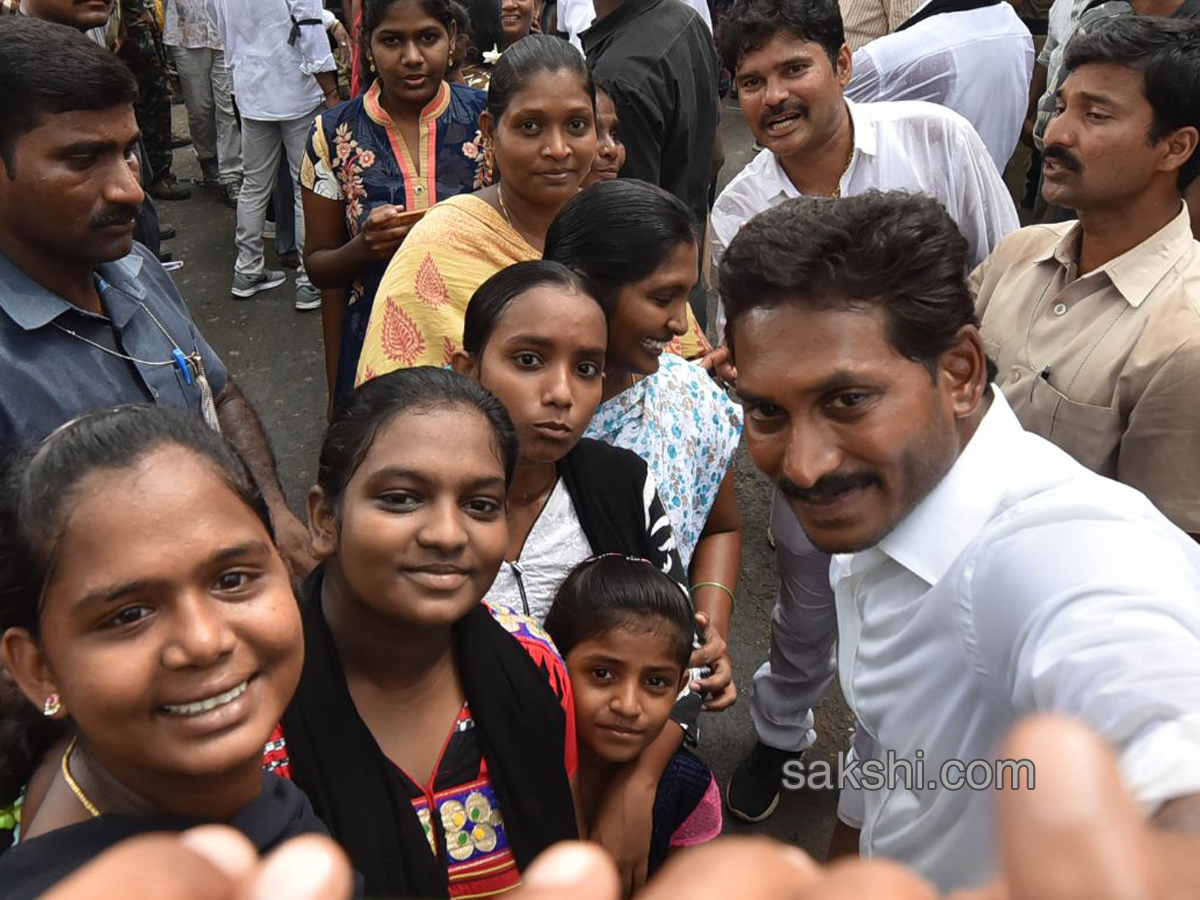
<point>248,285</point>
<point>308,295</point>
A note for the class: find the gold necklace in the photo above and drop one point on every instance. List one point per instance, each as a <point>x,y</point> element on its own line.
<point>503,208</point>
<point>73,784</point>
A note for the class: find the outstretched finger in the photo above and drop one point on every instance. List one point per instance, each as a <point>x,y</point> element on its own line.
<point>1077,835</point>
<point>571,870</point>
<point>745,868</point>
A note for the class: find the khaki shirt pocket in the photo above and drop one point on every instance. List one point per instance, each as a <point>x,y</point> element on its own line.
<point>1091,434</point>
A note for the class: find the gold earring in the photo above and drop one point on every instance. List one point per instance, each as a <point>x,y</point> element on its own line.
<point>489,162</point>
<point>52,707</point>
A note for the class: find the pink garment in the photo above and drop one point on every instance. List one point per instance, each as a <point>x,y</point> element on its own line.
<point>705,822</point>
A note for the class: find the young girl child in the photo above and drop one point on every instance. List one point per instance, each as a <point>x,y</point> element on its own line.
<point>434,735</point>
<point>535,338</point>
<point>150,627</point>
<point>625,631</point>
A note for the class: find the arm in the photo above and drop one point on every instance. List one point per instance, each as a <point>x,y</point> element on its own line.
<point>1161,442</point>
<point>333,318</point>
<point>625,821</point>
<point>978,200</point>
<point>313,44</point>
<point>331,257</point>
<point>1037,87</point>
<point>641,132</point>
<point>718,558</point>
<point>242,427</point>
<point>1099,623</point>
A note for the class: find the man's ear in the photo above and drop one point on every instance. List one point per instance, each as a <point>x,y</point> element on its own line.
<point>26,664</point>
<point>962,370</point>
<point>322,523</point>
<point>464,363</point>
<point>1180,146</point>
<point>844,65</point>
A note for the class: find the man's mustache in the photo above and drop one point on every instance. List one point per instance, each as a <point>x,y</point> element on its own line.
<point>1069,160</point>
<point>785,108</point>
<point>120,214</point>
<point>827,487</point>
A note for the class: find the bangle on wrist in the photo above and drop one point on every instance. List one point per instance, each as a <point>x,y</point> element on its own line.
<point>716,584</point>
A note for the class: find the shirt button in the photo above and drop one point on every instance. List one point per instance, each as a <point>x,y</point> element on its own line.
<point>1016,374</point>
<point>1060,309</point>
<point>419,189</point>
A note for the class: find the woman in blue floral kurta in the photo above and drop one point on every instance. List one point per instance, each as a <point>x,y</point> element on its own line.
<point>360,174</point>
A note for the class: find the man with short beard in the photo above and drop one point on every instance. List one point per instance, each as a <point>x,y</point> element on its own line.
<point>89,319</point>
<point>980,573</point>
<point>1095,324</point>
<point>791,65</point>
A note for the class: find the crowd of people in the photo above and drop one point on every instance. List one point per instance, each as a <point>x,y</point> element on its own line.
<point>507,606</point>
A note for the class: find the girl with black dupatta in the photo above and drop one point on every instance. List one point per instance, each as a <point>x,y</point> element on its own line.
<point>153,641</point>
<point>433,733</point>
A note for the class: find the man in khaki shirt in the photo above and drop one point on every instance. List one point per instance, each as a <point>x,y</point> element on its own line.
<point>1095,325</point>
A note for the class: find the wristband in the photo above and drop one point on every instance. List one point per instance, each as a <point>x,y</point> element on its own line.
<point>715,584</point>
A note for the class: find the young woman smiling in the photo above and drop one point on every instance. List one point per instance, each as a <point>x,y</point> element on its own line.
<point>540,128</point>
<point>374,164</point>
<point>438,777</point>
<point>150,627</point>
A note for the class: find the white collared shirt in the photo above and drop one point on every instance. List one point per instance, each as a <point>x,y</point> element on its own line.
<point>901,146</point>
<point>977,62</point>
<point>1023,582</point>
<point>577,16</point>
<point>272,79</point>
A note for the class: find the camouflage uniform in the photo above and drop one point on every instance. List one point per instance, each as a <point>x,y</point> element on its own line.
<point>142,50</point>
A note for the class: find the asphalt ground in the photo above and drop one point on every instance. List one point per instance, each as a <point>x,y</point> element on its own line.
<point>274,355</point>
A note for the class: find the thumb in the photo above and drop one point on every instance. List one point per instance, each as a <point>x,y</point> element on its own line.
<point>571,870</point>
<point>1078,834</point>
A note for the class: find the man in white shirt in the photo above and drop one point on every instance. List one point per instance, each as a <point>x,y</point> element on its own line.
<point>791,64</point>
<point>190,31</point>
<point>974,59</point>
<point>283,71</point>
<point>980,573</point>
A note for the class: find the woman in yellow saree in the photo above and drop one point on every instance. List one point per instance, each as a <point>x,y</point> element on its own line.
<point>540,128</point>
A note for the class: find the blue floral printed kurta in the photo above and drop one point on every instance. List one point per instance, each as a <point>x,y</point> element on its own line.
<point>355,154</point>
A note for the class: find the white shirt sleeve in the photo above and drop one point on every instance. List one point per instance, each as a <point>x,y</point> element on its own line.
<point>984,208</point>
<point>865,79</point>
<point>1099,619</point>
<point>313,42</point>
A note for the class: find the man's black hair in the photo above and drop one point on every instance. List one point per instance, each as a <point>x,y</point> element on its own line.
<point>1167,53</point>
<point>750,24</point>
<point>898,251</point>
<point>45,69</point>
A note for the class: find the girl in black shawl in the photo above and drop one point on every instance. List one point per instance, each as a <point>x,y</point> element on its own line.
<point>433,733</point>
<point>152,639</point>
